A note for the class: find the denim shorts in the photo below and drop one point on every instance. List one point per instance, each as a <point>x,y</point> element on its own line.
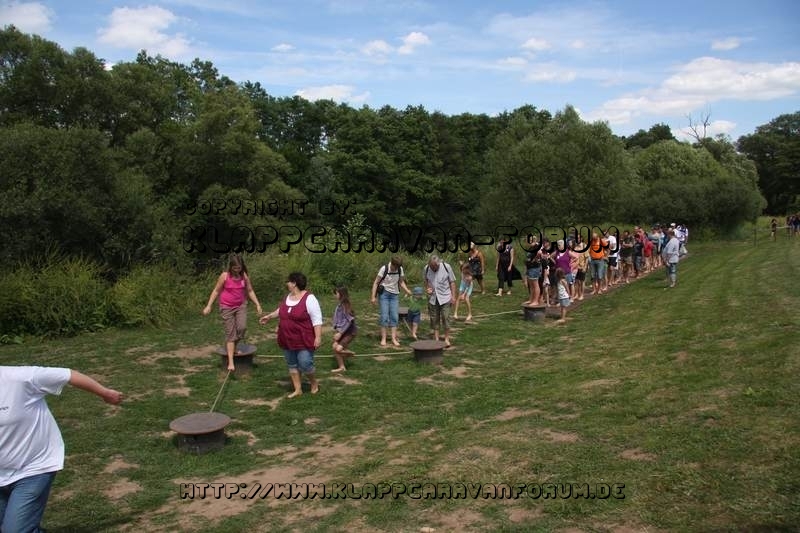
<point>414,317</point>
<point>564,302</point>
<point>534,273</point>
<point>570,278</point>
<point>302,360</point>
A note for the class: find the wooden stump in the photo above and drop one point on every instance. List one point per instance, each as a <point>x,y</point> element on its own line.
<point>534,313</point>
<point>242,361</point>
<point>428,351</point>
<point>200,432</point>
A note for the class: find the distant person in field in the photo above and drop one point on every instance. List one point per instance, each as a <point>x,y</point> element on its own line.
<point>477,261</point>
<point>344,328</point>
<point>414,315</point>
<point>440,285</point>
<point>563,261</point>
<point>386,289</point>
<point>299,331</point>
<point>597,263</point>
<point>563,293</point>
<point>465,291</point>
<point>505,265</point>
<point>611,253</point>
<point>31,446</point>
<point>233,288</point>
<point>774,229</point>
<point>533,271</point>
<point>671,256</point>
<point>627,244</point>
<point>581,267</point>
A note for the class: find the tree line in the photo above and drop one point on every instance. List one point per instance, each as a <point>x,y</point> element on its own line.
<point>107,163</point>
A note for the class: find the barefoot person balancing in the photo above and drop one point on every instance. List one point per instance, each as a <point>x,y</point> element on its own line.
<point>344,328</point>
<point>233,288</point>
<point>299,331</point>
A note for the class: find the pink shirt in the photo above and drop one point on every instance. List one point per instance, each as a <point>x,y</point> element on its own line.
<point>234,292</point>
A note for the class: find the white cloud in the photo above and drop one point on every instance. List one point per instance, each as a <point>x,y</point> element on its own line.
<point>143,28</point>
<point>550,73</point>
<point>577,44</point>
<point>700,82</point>
<point>726,44</point>
<point>337,93</point>
<point>283,47</point>
<point>377,48</point>
<point>513,62</point>
<point>536,45</point>
<point>30,17</point>
<point>412,41</point>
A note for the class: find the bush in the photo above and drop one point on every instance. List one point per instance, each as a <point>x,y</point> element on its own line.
<point>156,295</point>
<point>54,296</point>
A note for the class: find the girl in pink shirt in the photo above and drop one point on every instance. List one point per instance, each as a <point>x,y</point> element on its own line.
<point>233,288</point>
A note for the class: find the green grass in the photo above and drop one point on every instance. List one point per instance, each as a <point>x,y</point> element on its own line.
<point>687,396</point>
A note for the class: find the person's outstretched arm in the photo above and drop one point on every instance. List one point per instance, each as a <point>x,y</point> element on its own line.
<point>84,382</point>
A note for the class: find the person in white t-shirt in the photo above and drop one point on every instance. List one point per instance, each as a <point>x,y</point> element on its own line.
<point>31,447</point>
<point>613,259</point>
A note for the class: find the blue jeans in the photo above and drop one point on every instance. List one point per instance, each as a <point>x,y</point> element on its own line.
<point>302,360</point>
<point>22,503</point>
<point>598,267</point>
<point>390,309</point>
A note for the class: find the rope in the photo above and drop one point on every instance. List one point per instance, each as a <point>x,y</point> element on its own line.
<point>356,355</point>
<point>496,314</point>
<point>220,391</point>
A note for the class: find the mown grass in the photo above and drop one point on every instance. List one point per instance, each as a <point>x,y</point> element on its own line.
<point>687,396</point>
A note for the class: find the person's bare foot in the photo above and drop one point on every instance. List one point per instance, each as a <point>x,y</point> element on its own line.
<point>315,390</point>
<point>231,368</point>
<point>295,394</point>
<point>348,353</point>
<point>337,370</point>
<point>469,318</point>
<point>395,342</point>
<point>383,342</point>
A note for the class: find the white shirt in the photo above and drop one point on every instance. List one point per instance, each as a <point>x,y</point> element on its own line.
<point>612,246</point>
<point>30,441</point>
<point>440,281</point>
<point>312,306</point>
<point>391,282</point>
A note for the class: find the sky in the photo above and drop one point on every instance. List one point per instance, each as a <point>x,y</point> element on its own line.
<point>633,64</point>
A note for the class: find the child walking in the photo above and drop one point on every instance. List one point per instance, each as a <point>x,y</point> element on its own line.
<point>344,327</point>
<point>415,310</point>
<point>465,291</point>
<point>563,293</point>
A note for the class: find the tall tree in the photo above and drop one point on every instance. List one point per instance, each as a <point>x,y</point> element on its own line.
<point>775,148</point>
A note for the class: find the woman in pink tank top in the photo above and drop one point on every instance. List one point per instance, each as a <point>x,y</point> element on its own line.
<point>233,288</point>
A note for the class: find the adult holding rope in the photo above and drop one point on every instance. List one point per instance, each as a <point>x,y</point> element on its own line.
<point>299,331</point>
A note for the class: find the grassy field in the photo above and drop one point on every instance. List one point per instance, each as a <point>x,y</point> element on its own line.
<point>688,397</point>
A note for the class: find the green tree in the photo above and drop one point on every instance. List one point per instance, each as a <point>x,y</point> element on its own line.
<point>775,148</point>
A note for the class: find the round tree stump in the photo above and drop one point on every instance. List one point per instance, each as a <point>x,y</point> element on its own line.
<point>200,432</point>
<point>428,351</point>
<point>243,361</point>
<point>534,313</point>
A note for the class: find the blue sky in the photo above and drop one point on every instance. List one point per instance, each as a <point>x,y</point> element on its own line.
<point>629,63</point>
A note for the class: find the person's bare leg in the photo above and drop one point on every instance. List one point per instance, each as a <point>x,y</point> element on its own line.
<point>383,336</point>
<point>394,336</point>
<point>312,380</point>
<point>294,375</point>
<point>230,347</point>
